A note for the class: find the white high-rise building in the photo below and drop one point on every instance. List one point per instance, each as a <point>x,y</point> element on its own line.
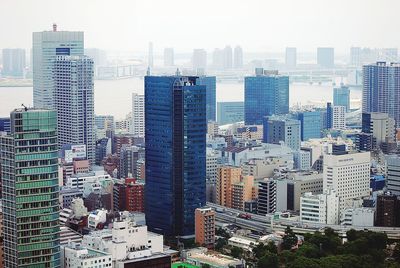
<point>238,57</point>
<point>168,56</point>
<point>380,125</point>
<point>150,56</point>
<point>348,174</point>
<point>339,120</point>
<point>199,59</point>
<point>393,174</point>
<point>322,208</point>
<point>137,115</point>
<point>291,57</point>
<point>74,102</point>
<point>228,64</point>
<point>46,47</point>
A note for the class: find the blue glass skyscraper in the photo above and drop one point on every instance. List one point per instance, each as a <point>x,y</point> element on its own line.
<point>175,135</point>
<point>341,97</point>
<point>381,89</point>
<point>211,84</point>
<point>265,94</point>
<point>310,123</point>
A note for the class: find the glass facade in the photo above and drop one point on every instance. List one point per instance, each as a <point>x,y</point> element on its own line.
<point>46,46</point>
<point>310,123</point>
<point>175,136</point>
<point>30,188</point>
<point>211,84</point>
<point>230,112</point>
<point>381,89</point>
<point>341,97</point>
<point>265,95</point>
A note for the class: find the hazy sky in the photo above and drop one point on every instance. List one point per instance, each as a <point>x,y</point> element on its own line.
<point>256,25</point>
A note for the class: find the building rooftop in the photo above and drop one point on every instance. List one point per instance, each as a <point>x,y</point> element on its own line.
<point>234,149</point>
<point>214,259</point>
<point>69,235</point>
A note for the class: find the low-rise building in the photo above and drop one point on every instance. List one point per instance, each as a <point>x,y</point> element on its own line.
<point>205,227</point>
<point>73,255</point>
<point>201,257</point>
<point>130,244</point>
<point>321,208</point>
<point>358,217</point>
<point>97,218</point>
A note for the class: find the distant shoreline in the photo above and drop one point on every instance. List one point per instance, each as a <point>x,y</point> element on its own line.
<point>16,86</point>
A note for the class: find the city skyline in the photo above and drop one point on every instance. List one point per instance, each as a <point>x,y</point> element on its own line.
<point>125,31</point>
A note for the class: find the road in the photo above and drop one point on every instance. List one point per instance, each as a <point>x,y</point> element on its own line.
<point>263,224</point>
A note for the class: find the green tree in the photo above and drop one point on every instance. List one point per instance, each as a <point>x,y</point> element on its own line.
<point>269,260</point>
<point>289,239</point>
<point>286,257</point>
<point>303,262</point>
<point>308,250</point>
<point>220,243</point>
<point>260,249</point>
<point>236,252</point>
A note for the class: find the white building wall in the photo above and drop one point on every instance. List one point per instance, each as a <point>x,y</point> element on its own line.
<point>348,174</point>
<point>339,121</point>
<point>137,126</point>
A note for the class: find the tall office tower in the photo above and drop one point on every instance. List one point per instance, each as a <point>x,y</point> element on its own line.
<point>175,137</point>
<point>329,116</point>
<point>281,128</point>
<point>339,117</point>
<point>29,158</point>
<point>265,94</point>
<point>150,60</point>
<point>381,89</point>
<point>310,124</point>
<point>387,210</point>
<point>46,47</point>
<point>13,62</point>
<point>341,97</point>
<point>128,157</point>
<point>291,57</point>
<point>168,56</point>
<point>211,84</point>
<point>355,56</point>
<point>380,125</point>
<point>74,102</point>
<point>230,112</point>
<point>205,227</point>
<point>326,57</point>
<point>199,59</point>
<point>238,57</point>
<point>137,115</point>
<point>348,174</point>
<point>228,55</point>
<point>5,124</point>
<point>266,202</point>
<point>226,177</point>
<point>393,174</point>
<point>218,59</point>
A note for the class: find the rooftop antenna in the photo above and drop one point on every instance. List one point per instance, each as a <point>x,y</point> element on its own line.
<point>54,27</point>
<point>25,108</point>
